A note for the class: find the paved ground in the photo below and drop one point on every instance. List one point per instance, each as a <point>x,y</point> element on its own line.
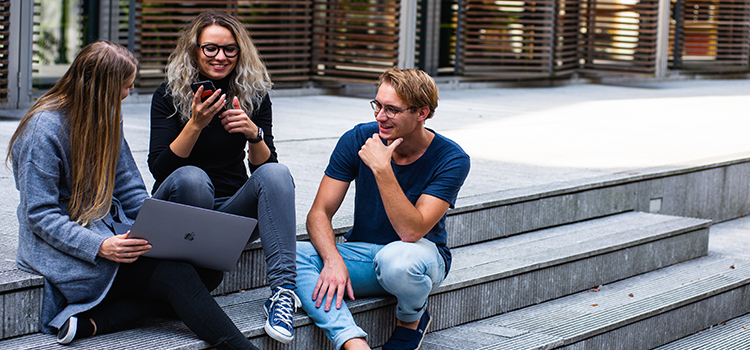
<point>517,137</point>
<point>730,238</point>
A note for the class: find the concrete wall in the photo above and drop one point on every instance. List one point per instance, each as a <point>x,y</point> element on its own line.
<point>717,192</point>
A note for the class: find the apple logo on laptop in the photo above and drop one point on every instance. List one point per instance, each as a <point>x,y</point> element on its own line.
<point>190,236</point>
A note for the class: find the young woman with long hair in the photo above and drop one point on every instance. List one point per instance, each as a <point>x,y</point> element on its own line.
<point>77,180</point>
<point>198,148</point>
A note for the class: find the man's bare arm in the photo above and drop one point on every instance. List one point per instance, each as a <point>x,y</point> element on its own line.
<point>411,221</point>
<point>334,278</point>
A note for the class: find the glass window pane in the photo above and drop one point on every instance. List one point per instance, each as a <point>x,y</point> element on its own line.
<point>58,37</point>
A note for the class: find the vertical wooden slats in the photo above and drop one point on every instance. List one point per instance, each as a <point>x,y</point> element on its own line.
<point>158,25</point>
<point>123,13</point>
<point>567,37</point>
<point>507,37</point>
<point>356,39</point>
<point>619,36</point>
<point>280,29</point>
<point>4,49</point>
<point>448,55</point>
<point>712,33</point>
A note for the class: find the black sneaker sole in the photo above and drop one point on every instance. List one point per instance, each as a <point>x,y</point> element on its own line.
<point>67,332</point>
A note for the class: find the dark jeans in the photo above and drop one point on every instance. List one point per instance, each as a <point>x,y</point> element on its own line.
<point>154,287</point>
<point>268,195</point>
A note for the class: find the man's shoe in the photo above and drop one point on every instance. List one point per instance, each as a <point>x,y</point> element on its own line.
<point>67,332</point>
<point>280,308</point>
<point>408,339</point>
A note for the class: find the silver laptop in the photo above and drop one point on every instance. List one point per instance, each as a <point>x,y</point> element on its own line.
<point>202,237</point>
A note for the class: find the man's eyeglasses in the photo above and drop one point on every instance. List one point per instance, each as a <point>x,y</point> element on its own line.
<point>211,50</point>
<point>390,111</point>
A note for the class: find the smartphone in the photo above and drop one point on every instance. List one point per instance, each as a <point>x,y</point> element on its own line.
<point>208,88</point>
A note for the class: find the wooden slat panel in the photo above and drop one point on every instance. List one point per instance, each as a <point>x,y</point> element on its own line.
<point>503,37</point>
<point>355,39</point>
<point>158,25</point>
<point>713,33</point>
<point>567,37</point>
<point>619,35</point>
<point>280,29</point>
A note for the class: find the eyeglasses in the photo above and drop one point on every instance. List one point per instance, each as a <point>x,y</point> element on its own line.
<point>211,50</point>
<point>390,111</point>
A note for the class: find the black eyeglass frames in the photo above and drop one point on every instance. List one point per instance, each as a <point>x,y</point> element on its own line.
<point>390,111</point>
<point>211,50</point>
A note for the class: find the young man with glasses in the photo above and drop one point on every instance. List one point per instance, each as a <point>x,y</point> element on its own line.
<point>406,177</point>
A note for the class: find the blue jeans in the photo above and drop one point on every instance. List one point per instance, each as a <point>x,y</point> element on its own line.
<point>409,271</point>
<point>268,196</point>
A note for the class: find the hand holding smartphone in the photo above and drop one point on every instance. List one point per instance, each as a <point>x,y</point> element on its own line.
<point>208,88</point>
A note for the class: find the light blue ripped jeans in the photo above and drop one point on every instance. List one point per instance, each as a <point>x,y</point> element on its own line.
<point>409,271</point>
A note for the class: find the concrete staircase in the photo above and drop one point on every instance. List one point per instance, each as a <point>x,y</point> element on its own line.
<point>640,312</point>
<point>732,334</point>
<point>568,265</point>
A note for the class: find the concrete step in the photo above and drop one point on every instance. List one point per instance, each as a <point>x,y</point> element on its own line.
<point>21,292</point>
<point>487,279</point>
<point>732,334</point>
<point>513,215</point>
<point>641,312</point>
<point>518,271</point>
<point>715,190</point>
<point>21,296</point>
<point>479,219</point>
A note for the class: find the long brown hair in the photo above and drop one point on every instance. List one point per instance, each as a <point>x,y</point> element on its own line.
<point>249,80</point>
<point>89,95</point>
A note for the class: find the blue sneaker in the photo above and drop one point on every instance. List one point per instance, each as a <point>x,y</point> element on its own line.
<point>280,308</point>
<point>408,339</point>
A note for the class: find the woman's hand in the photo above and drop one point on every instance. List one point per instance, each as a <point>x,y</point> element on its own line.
<point>237,121</point>
<point>203,112</point>
<point>122,249</point>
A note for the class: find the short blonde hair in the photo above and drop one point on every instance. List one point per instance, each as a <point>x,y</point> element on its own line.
<point>413,87</point>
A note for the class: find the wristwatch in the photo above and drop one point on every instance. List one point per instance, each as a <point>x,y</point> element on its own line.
<point>257,139</point>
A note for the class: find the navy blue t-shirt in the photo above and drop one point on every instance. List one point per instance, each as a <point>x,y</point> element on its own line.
<point>439,172</point>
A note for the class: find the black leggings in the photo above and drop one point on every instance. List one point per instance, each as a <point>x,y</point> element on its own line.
<point>141,289</point>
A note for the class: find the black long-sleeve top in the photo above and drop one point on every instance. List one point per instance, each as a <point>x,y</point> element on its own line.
<point>220,154</point>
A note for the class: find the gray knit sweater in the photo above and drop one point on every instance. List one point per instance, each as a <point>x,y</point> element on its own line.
<point>49,243</point>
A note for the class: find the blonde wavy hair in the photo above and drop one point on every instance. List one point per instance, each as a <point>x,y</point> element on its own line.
<point>249,79</point>
<point>89,95</point>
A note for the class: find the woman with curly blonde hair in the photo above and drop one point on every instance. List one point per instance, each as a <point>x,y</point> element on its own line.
<point>199,140</point>
<point>78,184</point>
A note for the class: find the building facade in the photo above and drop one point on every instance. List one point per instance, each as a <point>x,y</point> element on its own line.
<point>310,43</point>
